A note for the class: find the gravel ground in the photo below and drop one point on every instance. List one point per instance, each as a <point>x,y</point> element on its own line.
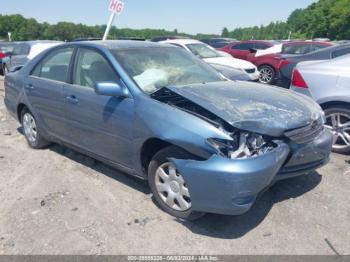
<point>57,201</point>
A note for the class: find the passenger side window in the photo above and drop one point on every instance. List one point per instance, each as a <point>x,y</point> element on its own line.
<point>91,68</point>
<point>341,52</point>
<point>55,66</point>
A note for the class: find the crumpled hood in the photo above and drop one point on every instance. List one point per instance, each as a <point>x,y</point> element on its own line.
<point>263,109</point>
<point>230,61</point>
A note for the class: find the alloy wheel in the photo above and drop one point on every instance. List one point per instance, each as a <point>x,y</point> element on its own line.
<point>339,125</point>
<point>30,128</point>
<point>171,188</point>
<point>266,75</point>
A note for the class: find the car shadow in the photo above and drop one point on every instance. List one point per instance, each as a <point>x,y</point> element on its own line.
<point>128,180</point>
<point>217,226</point>
<point>233,227</point>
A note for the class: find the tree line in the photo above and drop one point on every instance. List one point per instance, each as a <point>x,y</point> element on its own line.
<point>23,29</point>
<point>323,19</point>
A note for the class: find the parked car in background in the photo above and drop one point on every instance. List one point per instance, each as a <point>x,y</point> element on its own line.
<point>215,57</point>
<point>328,83</point>
<point>288,62</point>
<point>218,42</point>
<point>164,38</point>
<point>233,74</point>
<point>205,144</point>
<point>26,51</point>
<point>269,61</point>
<point>6,49</point>
<point>243,49</point>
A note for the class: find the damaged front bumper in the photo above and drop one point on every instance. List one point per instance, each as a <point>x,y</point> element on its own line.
<point>230,187</point>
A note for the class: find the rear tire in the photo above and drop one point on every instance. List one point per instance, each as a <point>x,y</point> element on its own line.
<point>32,131</point>
<point>267,74</point>
<point>338,122</point>
<point>168,186</point>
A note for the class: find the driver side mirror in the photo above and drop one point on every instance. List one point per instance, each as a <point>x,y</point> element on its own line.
<point>111,89</point>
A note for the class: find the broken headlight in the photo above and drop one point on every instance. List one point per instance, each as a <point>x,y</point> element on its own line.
<point>243,145</point>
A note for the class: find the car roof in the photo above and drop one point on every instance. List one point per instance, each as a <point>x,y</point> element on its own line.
<point>37,42</point>
<point>183,41</point>
<point>319,53</point>
<point>307,42</point>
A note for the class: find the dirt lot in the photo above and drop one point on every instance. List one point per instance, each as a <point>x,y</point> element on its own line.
<point>57,201</point>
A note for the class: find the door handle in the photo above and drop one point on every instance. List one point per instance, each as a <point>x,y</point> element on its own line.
<point>72,100</point>
<point>28,86</point>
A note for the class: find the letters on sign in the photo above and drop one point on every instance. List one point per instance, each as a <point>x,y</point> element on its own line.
<point>116,6</point>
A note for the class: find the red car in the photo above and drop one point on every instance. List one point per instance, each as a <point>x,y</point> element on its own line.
<point>270,64</point>
<point>243,49</point>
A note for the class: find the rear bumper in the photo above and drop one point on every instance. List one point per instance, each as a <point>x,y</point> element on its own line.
<point>225,186</point>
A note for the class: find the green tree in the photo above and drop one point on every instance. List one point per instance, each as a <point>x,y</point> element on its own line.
<point>225,32</point>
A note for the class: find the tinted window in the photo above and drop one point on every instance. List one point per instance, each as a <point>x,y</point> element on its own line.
<point>296,49</point>
<point>261,46</point>
<point>92,68</point>
<point>244,46</point>
<point>220,44</point>
<point>341,52</point>
<point>55,65</point>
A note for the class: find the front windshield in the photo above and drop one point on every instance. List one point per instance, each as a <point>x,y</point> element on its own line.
<point>155,68</point>
<point>202,51</point>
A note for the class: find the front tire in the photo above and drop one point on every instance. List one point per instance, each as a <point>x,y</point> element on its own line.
<point>32,131</point>
<point>267,74</point>
<point>338,122</point>
<point>168,186</point>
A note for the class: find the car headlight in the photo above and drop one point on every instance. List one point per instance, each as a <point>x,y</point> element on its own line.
<point>244,145</point>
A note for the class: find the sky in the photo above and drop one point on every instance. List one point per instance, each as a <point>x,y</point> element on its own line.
<point>188,16</point>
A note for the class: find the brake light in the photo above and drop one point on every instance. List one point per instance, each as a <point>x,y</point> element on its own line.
<point>298,80</point>
<point>2,55</point>
<point>283,63</point>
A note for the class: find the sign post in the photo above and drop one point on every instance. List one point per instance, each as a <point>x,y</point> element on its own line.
<point>116,7</point>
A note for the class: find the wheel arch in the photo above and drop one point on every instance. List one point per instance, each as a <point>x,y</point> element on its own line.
<point>20,108</point>
<point>267,64</point>
<point>329,104</point>
<point>153,145</point>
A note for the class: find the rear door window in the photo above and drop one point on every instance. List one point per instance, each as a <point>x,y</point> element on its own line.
<point>55,66</point>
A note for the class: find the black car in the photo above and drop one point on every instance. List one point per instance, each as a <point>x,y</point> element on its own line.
<point>289,62</point>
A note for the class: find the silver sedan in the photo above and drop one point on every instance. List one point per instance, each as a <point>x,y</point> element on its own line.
<point>328,83</point>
